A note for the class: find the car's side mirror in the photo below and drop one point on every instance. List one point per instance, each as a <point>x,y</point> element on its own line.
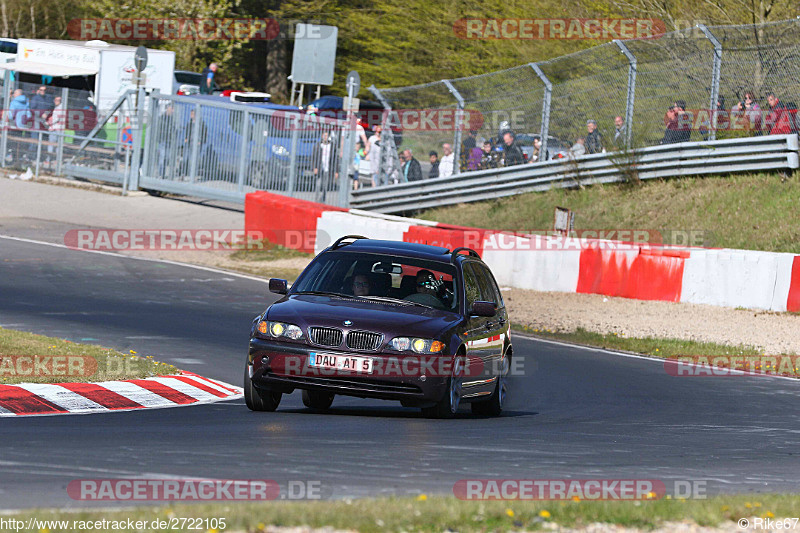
<point>483,309</point>
<point>278,286</point>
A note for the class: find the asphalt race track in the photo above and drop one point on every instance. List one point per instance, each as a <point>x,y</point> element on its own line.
<point>574,413</point>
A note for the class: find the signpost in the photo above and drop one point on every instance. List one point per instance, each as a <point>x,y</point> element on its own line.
<point>140,62</point>
<point>353,85</point>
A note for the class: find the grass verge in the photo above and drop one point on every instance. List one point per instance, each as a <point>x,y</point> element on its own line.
<point>30,358</point>
<point>438,513</point>
<point>747,211</point>
<point>643,345</point>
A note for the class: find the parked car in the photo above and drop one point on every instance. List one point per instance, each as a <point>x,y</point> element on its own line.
<point>8,49</point>
<point>188,83</point>
<point>555,147</point>
<point>370,114</point>
<point>389,320</point>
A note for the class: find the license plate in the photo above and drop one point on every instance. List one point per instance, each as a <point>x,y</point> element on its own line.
<point>340,362</point>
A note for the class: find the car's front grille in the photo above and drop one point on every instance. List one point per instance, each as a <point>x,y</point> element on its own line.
<point>325,336</point>
<point>364,340</point>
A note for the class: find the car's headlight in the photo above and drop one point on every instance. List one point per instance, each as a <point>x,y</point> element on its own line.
<point>280,329</point>
<point>279,149</point>
<point>428,346</point>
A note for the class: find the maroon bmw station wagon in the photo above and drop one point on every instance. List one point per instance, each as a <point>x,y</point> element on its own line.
<point>389,320</point>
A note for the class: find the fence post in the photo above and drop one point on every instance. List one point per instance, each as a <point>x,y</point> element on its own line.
<point>295,125</point>
<point>387,128</point>
<point>195,143</point>
<point>715,73</point>
<point>62,133</point>
<point>139,159</point>
<point>631,92</point>
<point>5,123</point>
<point>459,120</point>
<point>243,154</point>
<point>548,92</point>
<point>348,133</point>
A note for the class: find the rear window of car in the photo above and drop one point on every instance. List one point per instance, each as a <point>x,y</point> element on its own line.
<point>189,78</point>
<point>388,276</point>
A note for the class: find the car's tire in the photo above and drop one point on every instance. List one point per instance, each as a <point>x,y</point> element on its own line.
<point>448,405</point>
<point>317,400</point>
<point>494,405</point>
<point>259,399</point>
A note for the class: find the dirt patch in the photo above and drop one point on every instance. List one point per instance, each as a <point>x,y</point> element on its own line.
<point>775,333</point>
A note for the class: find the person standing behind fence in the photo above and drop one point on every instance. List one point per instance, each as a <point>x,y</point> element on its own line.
<point>374,155</point>
<point>207,83</point>
<point>325,160</point>
<point>488,156</point>
<point>512,153</point>
<point>447,163</point>
<point>747,114</point>
<point>434,159</point>
<point>619,132</point>
<point>412,171</point>
<point>41,108</point>
<point>678,124</point>
<point>20,110</point>
<point>594,139</point>
<point>467,145</point>
<point>778,120</point>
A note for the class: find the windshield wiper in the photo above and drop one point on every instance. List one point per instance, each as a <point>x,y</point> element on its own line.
<point>394,300</point>
<point>321,293</point>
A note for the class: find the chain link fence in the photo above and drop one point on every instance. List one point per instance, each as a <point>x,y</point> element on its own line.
<point>682,86</point>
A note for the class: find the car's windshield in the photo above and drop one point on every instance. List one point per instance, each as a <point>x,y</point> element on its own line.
<point>378,276</point>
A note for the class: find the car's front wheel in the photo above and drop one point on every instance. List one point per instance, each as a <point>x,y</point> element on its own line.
<point>259,399</point>
<point>317,400</point>
<point>448,405</point>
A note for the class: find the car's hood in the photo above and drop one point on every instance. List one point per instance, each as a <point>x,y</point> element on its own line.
<point>391,319</point>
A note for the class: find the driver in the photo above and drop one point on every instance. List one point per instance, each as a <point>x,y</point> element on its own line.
<point>361,285</point>
<point>427,290</point>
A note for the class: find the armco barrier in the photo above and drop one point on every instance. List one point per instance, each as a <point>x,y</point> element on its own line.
<point>729,278</point>
<point>750,154</point>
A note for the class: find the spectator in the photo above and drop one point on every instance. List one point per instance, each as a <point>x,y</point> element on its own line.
<point>56,122</point>
<point>434,158</point>
<point>474,159</point>
<point>166,160</point>
<point>678,124</point>
<point>41,108</point>
<point>620,132</point>
<point>374,154</point>
<point>20,110</point>
<point>207,82</point>
<point>467,145</point>
<point>412,171</point>
<point>579,148</point>
<point>325,163</point>
<point>594,140</point>
<point>488,156</point>
<point>512,153</point>
<point>748,111</point>
<point>537,151</point>
<point>446,165</point>
<point>357,157</point>
<point>203,153</point>
<point>778,120</point>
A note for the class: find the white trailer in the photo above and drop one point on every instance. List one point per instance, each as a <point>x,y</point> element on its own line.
<point>107,69</point>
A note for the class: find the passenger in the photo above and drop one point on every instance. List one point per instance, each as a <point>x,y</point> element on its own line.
<point>361,285</point>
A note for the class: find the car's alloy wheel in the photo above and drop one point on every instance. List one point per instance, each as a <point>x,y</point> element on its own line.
<point>259,399</point>
<point>317,400</point>
<point>448,405</point>
<point>494,405</point>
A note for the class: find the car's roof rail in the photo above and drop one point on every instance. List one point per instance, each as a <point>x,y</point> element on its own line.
<point>472,253</point>
<point>339,242</point>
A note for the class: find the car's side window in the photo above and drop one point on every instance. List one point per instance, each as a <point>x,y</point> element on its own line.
<point>471,286</point>
<point>497,296</point>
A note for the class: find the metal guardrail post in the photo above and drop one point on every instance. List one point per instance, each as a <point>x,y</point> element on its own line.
<point>5,124</point>
<point>38,153</point>
<point>61,135</point>
<point>195,140</point>
<point>459,120</point>
<point>631,92</point>
<point>295,125</point>
<point>715,74</point>
<point>548,93</point>
<point>243,154</point>
<point>139,159</point>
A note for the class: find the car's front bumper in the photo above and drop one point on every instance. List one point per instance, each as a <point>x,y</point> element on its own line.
<point>283,366</point>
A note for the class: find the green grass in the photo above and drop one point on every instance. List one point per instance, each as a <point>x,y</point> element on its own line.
<point>266,251</point>
<point>57,357</point>
<point>445,513</point>
<point>752,211</point>
<point>642,345</point>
